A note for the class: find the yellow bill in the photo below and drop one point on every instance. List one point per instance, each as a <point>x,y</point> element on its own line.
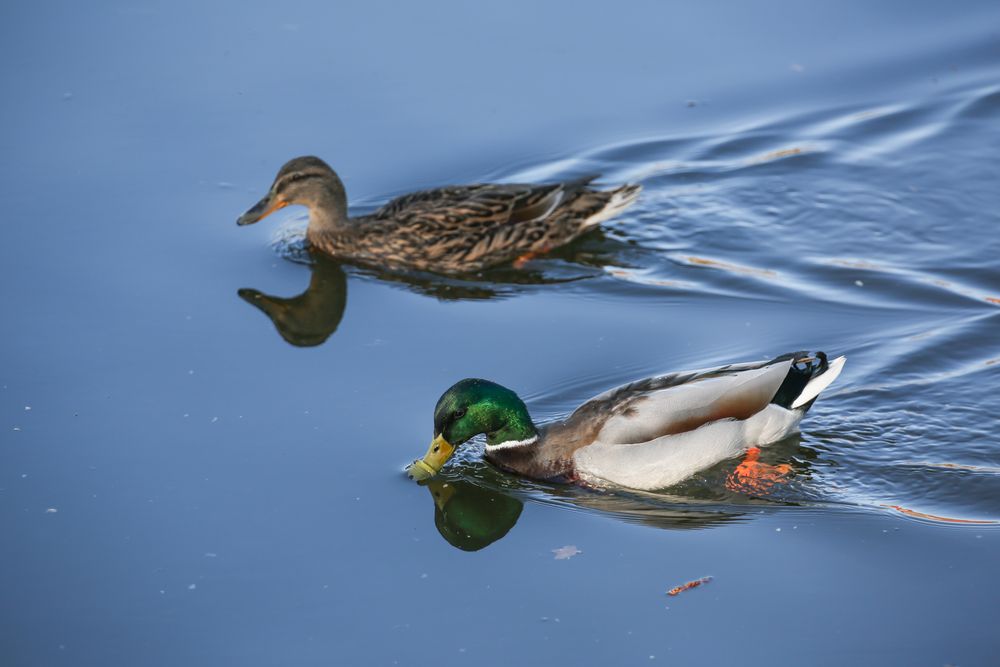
<point>437,455</point>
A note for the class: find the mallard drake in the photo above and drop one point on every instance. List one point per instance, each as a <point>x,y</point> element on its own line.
<point>647,435</point>
<point>451,230</point>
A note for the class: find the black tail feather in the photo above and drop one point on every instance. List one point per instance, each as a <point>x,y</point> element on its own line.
<point>805,366</point>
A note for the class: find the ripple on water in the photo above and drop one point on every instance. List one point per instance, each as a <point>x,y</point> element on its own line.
<point>867,222</point>
<point>853,209</point>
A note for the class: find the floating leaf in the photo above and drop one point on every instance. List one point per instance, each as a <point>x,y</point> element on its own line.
<point>691,584</point>
<point>566,552</point>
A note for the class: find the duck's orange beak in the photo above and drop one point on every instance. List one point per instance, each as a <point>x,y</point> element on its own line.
<point>261,210</point>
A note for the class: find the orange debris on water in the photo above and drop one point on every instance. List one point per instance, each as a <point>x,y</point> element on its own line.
<point>934,517</point>
<point>691,584</point>
<point>726,266</point>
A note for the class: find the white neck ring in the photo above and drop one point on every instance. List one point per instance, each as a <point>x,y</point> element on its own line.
<point>512,444</point>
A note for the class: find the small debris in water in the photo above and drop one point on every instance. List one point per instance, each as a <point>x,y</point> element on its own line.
<point>27,408</point>
<point>859,283</point>
<point>566,552</point>
<point>934,517</point>
<point>691,584</point>
<point>192,587</point>
<point>51,510</point>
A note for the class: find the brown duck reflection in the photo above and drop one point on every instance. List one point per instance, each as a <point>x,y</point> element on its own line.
<point>309,319</point>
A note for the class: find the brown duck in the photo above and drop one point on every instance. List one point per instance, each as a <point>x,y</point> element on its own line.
<point>454,229</point>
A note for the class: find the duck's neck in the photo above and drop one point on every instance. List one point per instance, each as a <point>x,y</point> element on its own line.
<point>518,433</point>
<point>515,445</point>
<point>328,211</point>
<point>524,452</point>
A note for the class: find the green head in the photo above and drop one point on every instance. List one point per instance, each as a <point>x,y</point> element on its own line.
<point>469,408</point>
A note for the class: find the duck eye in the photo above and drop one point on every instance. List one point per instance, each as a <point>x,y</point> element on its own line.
<point>459,413</point>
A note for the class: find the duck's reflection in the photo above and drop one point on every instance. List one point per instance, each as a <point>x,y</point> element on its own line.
<point>310,318</point>
<point>476,505</point>
<point>471,517</point>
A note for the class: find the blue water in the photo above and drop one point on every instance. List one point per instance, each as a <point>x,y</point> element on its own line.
<point>185,479</point>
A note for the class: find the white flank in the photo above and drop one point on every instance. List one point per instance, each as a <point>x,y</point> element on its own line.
<point>820,382</point>
<point>512,444</point>
<point>620,201</point>
<point>666,410</point>
<point>670,459</point>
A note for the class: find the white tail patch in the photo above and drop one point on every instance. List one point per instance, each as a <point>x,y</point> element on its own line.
<point>820,382</point>
<point>621,199</point>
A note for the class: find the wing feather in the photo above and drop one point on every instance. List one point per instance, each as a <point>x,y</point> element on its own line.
<point>687,401</point>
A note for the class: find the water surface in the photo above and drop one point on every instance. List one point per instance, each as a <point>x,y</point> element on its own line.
<point>184,480</point>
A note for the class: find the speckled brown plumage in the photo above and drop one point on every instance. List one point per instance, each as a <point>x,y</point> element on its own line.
<point>451,230</point>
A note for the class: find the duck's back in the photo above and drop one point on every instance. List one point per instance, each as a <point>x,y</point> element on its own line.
<point>461,229</point>
<point>662,430</point>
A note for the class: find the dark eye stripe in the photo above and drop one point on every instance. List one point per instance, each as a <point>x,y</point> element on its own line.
<point>292,178</point>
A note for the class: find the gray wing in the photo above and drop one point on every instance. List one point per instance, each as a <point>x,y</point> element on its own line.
<point>668,404</point>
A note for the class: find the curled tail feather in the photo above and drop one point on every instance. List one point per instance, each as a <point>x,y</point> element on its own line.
<point>809,375</point>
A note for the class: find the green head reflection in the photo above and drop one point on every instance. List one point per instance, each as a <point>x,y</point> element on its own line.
<point>470,517</point>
